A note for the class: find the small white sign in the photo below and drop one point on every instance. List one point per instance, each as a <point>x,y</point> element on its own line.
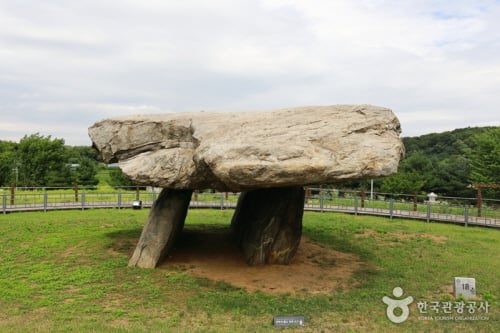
<point>465,287</point>
<point>288,321</point>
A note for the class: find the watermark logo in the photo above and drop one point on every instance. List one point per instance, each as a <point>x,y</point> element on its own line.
<point>398,309</point>
<point>470,310</point>
<point>393,304</point>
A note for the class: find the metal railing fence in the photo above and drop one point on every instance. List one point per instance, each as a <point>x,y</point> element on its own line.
<point>447,209</point>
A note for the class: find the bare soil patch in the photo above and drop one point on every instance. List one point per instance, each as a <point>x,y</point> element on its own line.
<point>72,249</point>
<point>212,254</point>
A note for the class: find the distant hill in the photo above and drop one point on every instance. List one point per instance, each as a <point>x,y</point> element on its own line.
<point>445,144</point>
<point>447,163</point>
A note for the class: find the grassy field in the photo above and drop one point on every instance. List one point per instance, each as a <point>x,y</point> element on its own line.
<point>67,272</point>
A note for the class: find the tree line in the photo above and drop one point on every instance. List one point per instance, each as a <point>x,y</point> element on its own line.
<point>43,161</point>
<point>445,163</point>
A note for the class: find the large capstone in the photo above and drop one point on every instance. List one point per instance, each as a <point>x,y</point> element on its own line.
<point>268,156</point>
<point>237,151</point>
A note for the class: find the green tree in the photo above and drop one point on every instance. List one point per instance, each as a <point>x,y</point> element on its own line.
<point>485,157</point>
<point>118,179</point>
<point>74,154</point>
<point>41,161</point>
<point>414,175</point>
<point>7,163</point>
<point>452,177</point>
<point>403,183</point>
<point>61,177</point>
<point>86,172</point>
<point>485,160</point>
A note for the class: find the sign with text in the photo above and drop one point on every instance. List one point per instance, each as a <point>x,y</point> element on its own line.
<point>465,287</point>
<point>288,321</point>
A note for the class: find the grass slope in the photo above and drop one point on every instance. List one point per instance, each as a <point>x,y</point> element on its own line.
<point>67,271</point>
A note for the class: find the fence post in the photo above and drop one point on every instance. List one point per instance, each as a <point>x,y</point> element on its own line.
<point>479,201</point>
<point>222,201</point>
<point>75,188</point>
<point>321,198</point>
<point>391,208</point>
<point>466,215</point>
<point>428,218</point>
<point>415,200</point>
<point>355,205</point>
<point>4,203</point>
<point>12,194</point>
<point>137,196</point>
<point>45,200</point>
<point>83,200</point>
<point>119,199</point>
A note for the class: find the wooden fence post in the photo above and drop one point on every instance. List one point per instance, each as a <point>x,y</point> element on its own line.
<point>12,194</point>
<point>479,201</point>
<point>75,188</point>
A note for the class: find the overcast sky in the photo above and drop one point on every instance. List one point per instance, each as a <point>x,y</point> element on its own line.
<point>67,64</point>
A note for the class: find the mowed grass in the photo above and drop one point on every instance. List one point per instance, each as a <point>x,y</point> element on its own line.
<point>67,272</point>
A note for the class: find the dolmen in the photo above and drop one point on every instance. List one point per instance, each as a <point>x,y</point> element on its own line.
<point>267,156</point>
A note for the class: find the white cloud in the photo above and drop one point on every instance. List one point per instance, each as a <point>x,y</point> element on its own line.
<point>68,64</point>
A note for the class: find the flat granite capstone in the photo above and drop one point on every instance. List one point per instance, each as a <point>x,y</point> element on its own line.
<point>269,156</point>
<point>236,151</point>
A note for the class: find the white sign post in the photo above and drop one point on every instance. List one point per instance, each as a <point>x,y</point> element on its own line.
<point>465,287</point>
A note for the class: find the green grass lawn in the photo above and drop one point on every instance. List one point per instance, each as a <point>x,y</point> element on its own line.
<point>67,271</point>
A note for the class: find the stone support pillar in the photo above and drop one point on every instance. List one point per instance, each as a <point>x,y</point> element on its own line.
<point>267,224</point>
<point>164,224</point>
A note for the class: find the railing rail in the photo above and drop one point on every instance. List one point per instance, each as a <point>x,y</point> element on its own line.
<point>453,210</point>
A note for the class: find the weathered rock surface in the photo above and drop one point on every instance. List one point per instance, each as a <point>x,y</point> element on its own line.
<point>268,155</point>
<point>267,224</point>
<point>164,224</point>
<point>251,150</point>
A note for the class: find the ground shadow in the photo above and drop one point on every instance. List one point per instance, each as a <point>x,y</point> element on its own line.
<point>194,242</point>
<point>204,243</point>
<point>210,252</point>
